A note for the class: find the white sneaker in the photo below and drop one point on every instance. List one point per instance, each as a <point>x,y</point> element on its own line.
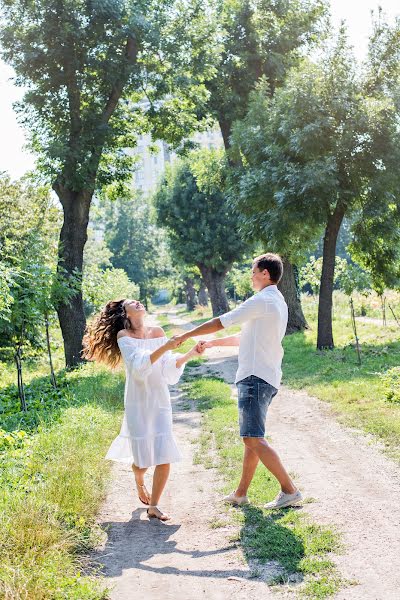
<point>236,500</point>
<point>282,500</point>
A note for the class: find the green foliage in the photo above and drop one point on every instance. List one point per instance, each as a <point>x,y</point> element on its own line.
<point>324,142</point>
<point>357,393</point>
<point>202,228</point>
<point>101,281</point>
<point>41,398</point>
<point>77,60</point>
<point>258,39</point>
<point>239,281</point>
<point>53,481</point>
<point>391,382</point>
<point>28,250</point>
<point>348,277</point>
<point>351,277</point>
<point>135,243</point>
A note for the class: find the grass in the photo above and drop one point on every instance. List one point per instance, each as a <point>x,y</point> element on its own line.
<point>357,393</point>
<point>288,537</point>
<point>53,479</point>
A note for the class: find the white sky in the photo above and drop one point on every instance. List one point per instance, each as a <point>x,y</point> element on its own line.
<point>16,160</point>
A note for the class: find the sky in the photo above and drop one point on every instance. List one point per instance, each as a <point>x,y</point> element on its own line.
<point>16,160</point>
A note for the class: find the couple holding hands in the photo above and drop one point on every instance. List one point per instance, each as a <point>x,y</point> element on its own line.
<point>146,438</point>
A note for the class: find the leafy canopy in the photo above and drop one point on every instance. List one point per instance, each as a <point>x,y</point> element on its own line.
<point>192,206</point>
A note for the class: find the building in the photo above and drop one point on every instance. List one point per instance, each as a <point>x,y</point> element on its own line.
<point>150,165</point>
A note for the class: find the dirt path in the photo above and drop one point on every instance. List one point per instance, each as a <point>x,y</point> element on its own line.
<point>185,558</point>
<point>355,488</point>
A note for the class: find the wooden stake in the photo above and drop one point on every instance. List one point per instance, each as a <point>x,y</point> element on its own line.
<point>353,321</point>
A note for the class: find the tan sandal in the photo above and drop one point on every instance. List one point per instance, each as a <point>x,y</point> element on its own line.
<point>142,488</point>
<point>161,517</point>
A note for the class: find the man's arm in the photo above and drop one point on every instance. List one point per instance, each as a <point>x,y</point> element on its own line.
<point>229,340</point>
<point>211,326</point>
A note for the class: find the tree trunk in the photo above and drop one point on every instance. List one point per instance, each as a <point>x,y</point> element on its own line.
<point>215,283</point>
<point>225,127</point>
<point>203,296</point>
<point>73,237</point>
<point>325,335</point>
<point>190,294</point>
<point>289,287</point>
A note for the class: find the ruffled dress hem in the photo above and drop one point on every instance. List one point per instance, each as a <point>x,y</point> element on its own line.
<point>144,452</point>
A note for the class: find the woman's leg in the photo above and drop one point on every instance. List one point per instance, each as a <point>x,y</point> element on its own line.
<point>160,477</point>
<point>144,495</point>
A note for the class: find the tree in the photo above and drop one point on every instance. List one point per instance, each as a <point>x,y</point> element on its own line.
<point>28,250</point>
<point>202,228</point>
<point>85,66</point>
<point>261,39</point>
<point>323,149</point>
<point>136,244</point>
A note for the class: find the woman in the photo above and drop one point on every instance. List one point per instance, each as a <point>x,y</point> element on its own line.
<point>146,437</point>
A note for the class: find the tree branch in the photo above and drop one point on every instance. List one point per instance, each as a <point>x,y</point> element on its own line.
<point>131,52</point>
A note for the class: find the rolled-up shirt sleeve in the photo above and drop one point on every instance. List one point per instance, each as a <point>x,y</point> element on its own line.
<point>137,361</point>
<point>170,372</point>
<point>252,308</point>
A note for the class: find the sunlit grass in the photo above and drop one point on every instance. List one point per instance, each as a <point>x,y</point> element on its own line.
<point>285,537</point>
<point>356,392</point>
<point>52,485</point>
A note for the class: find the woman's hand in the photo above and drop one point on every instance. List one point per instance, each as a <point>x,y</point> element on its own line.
<point>172,344</point>
<point>203,344</point>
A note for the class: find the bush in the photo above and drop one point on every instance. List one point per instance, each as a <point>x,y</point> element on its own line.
<point>391,380</point>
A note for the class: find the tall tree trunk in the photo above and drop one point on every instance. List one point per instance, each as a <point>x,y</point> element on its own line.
<point>325,335</point>
<point>190,294</point>
<point>215,283</point>
<point>203,296</point>
<point>73,236</point>
<point>289,287</point>
<point>225,127</point>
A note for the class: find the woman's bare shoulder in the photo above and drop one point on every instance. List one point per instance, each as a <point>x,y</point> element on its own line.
<point>157,332</point>
<point>122,333</point>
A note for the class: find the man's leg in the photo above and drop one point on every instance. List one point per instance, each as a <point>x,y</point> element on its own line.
<point>250,462</point>
<point>271,460</point>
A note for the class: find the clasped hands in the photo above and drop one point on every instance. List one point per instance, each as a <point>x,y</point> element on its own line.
<point>177,340</point>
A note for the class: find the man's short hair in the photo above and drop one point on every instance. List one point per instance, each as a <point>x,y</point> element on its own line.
<point>271,262</point>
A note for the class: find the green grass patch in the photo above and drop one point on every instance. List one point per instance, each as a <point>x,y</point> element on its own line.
<point>287,536</point>
<point>53,479</point>
<point>361,395</point>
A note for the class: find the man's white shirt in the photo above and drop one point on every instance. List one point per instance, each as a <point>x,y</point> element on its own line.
<point>263,318</point>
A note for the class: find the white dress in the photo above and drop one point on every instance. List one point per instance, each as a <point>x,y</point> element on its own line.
<point>146,437</point>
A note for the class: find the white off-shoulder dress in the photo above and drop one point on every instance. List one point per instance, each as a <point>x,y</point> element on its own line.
<point>146,437</point>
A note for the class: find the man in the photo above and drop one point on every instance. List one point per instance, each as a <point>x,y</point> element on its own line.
<point>263,318</point>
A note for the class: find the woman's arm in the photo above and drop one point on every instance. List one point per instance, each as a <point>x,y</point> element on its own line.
<point>194,352</point>
<point>169,345</point>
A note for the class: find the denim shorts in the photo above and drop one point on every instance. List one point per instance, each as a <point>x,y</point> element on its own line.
<point>254,397</point>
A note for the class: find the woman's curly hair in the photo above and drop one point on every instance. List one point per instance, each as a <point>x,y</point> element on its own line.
<point>100,339</point>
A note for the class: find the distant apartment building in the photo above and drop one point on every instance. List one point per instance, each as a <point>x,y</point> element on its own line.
<point>150,165</point>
